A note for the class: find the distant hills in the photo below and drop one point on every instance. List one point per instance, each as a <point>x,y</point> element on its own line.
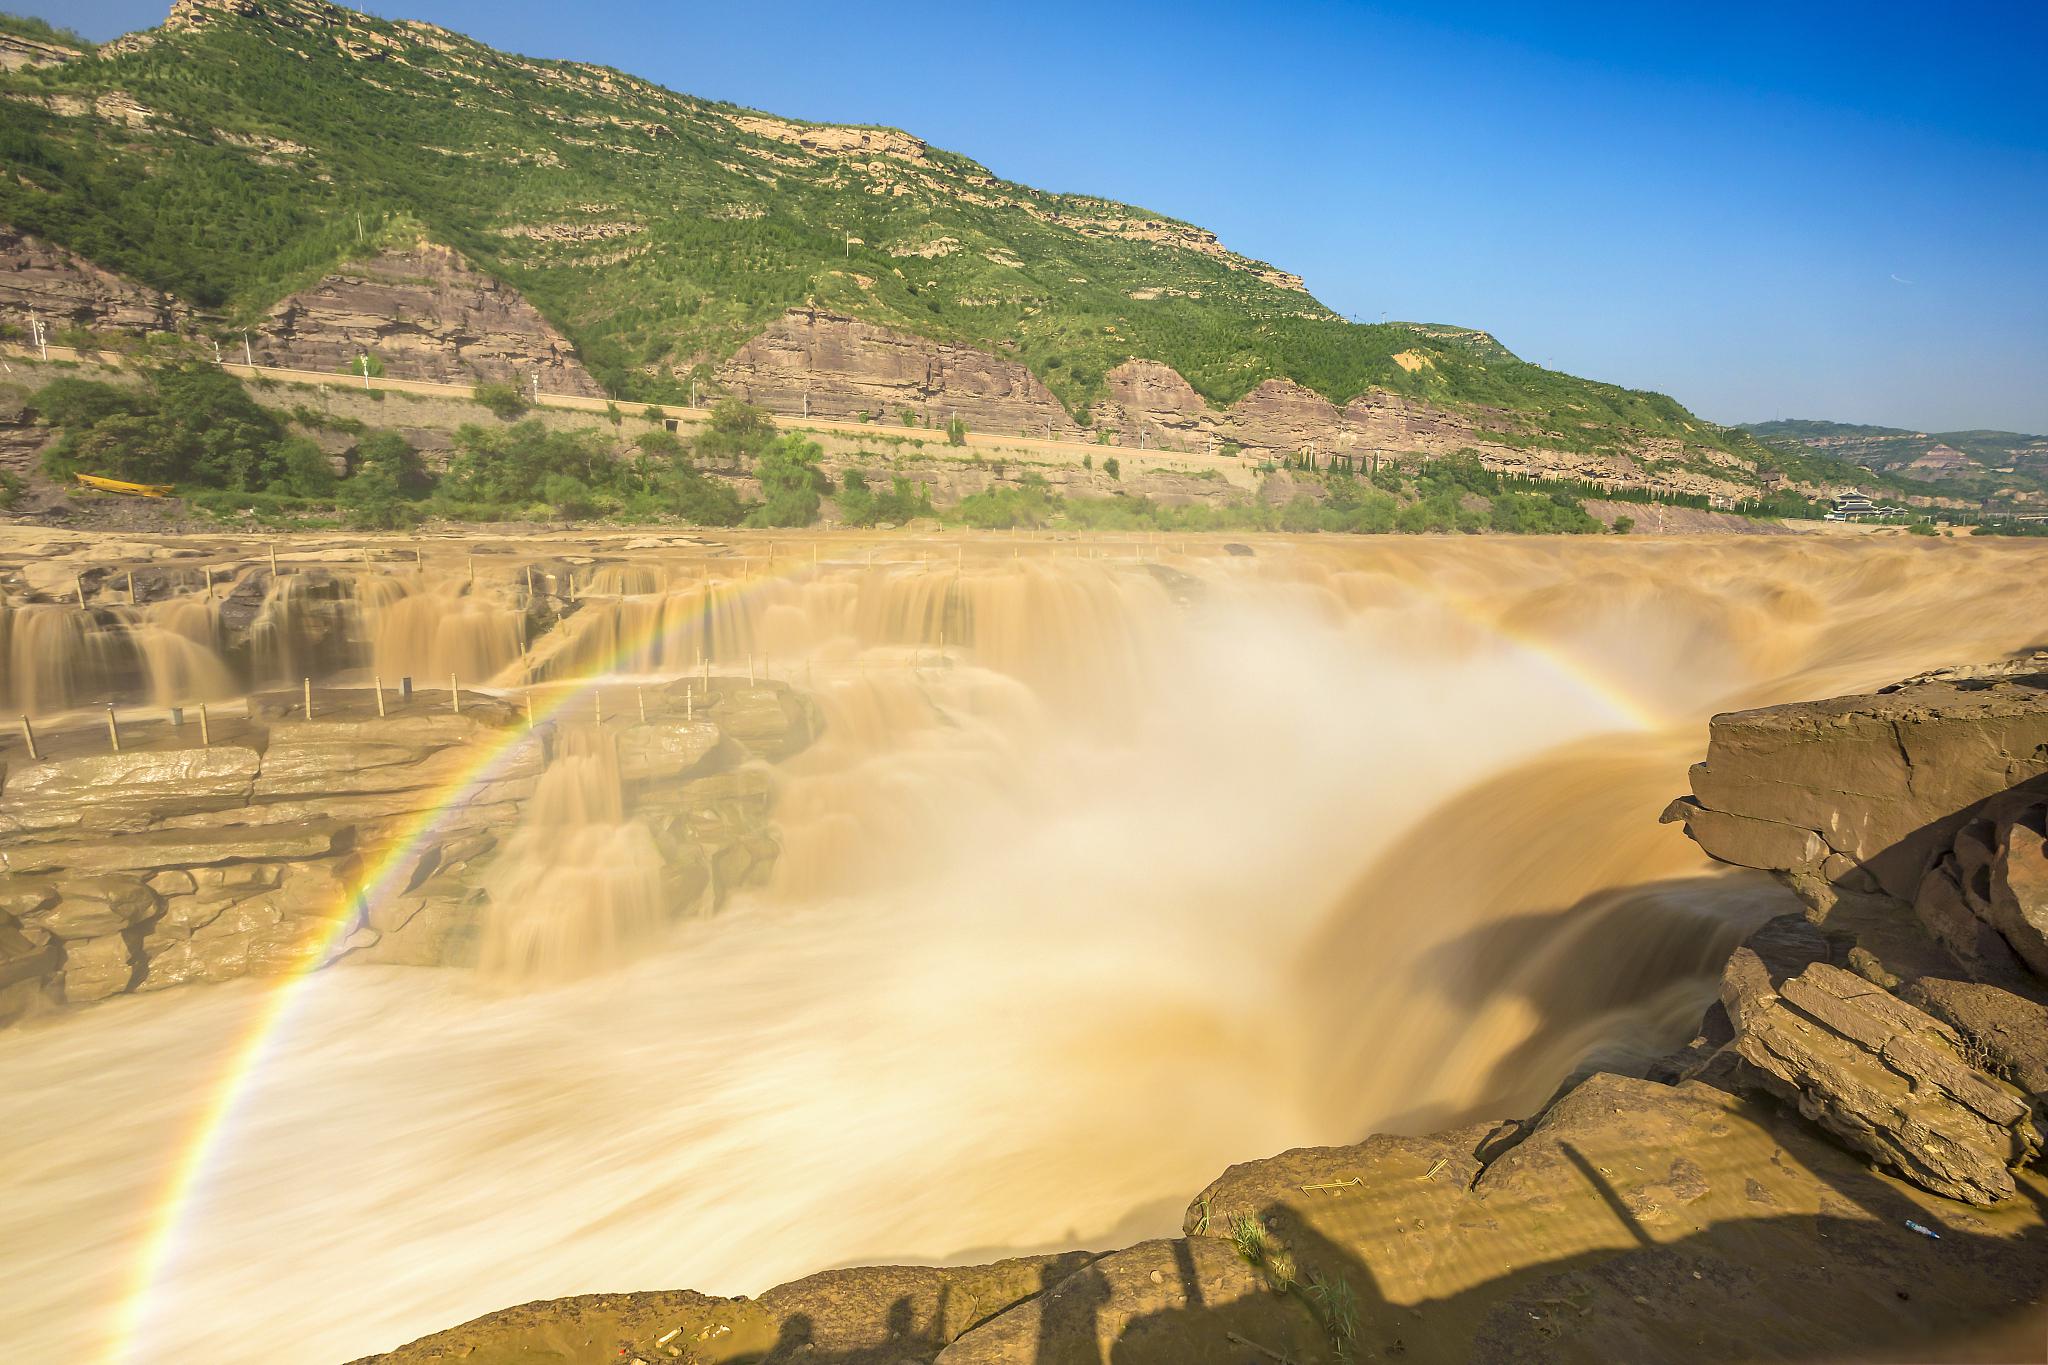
<point>1982,463</point>
<point>336,183</point>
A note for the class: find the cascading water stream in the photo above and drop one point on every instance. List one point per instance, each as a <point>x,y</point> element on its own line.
<point>580,885</point>
<point>1103,875</point>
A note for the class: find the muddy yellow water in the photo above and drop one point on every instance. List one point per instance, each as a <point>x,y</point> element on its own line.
<point>1117,862</point>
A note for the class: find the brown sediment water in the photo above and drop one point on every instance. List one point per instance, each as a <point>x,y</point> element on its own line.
<point>1113,865</point>
<point>579,886</point>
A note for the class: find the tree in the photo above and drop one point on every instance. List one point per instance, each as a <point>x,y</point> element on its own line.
<point>392,455</point>
<point>792,485</point>
<point>307,473</point>
<point>511,466</point>
<point>737,435</point>
<point>189,422</point>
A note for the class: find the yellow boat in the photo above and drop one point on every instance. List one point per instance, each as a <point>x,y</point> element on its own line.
<point>140,490</point>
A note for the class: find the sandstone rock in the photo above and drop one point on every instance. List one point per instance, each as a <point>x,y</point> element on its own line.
<point>66,289</point>
<point>255,914</point>
<point>185,848</point>
<point>236,879</point>
<point>1157,1303</point>
<point>1954,921</point>
<point>2007,1032</point>
<point>440,926</point>
<point>18,51</point>
<point>341,757</point>
<point>144,782</point>
<point>91,906</point>
<point>2018,900</point>
<point>770,720</point>
<point>426,314</point>
<point>180,962</point>
<point>171,882</point>
<point>26,954</point>
<point>21,897</point>
<point>841,367</point>
<point>666,750</point>
<point>1886,1078</point>
<point>1786,946</point>
<point>1748,842</point>
<point>96,968</point>
<point>1886,780</point>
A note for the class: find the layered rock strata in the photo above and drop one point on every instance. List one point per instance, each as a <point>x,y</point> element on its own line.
<point>830,365</point>
<point>182,858</point>
<point>423,313</point>
<point>66,290</point>
<point>1910,822</point>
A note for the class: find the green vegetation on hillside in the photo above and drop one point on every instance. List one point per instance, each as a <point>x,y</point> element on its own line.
<point>43,31</point>
<point>660,231</point>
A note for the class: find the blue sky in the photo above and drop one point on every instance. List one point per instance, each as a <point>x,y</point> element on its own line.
<point>1766,210</point>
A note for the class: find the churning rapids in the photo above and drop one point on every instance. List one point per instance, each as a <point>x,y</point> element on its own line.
<point>1114,865</point>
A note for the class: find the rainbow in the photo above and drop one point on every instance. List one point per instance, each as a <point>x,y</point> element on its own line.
<point>382,879</point>
<point>387,876</point>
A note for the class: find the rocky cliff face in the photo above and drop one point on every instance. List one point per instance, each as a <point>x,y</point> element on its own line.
<point>834,366</point>
<point>830,365</point>
<point>66,290</point>
<point>424,313</point>
<point>18,51</point>
<point>1911,823</point>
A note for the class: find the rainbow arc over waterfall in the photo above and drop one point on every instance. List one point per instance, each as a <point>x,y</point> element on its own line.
<point>387,876</point>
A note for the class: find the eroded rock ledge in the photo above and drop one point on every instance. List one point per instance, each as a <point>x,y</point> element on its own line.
<point>1841,1165</point>
<point>182,858</point>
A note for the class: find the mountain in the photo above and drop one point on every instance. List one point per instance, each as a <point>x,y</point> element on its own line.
<point>310,173</point>
<point>1990,463</point>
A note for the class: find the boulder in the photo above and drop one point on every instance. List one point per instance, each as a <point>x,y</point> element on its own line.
<point>96,968</point>
<point>2018,901</point>
<point>1884,780</point>
<point>2008,1032</point>
<point>666,750</point>
<point>91,906</point>
<point>172,882</point>
<point>1887,1079</point>
<point>26,954</point>
<point>21,897</point>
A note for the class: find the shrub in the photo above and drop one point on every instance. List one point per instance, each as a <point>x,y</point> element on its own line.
<point>792,485</point>
<point>956,432</point>
<point>189,422</point>
<point>1623,525</point>
<point>502,399</point>
<point>307,472</point>
<point>736,436</point>
<point>1113,469</point>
